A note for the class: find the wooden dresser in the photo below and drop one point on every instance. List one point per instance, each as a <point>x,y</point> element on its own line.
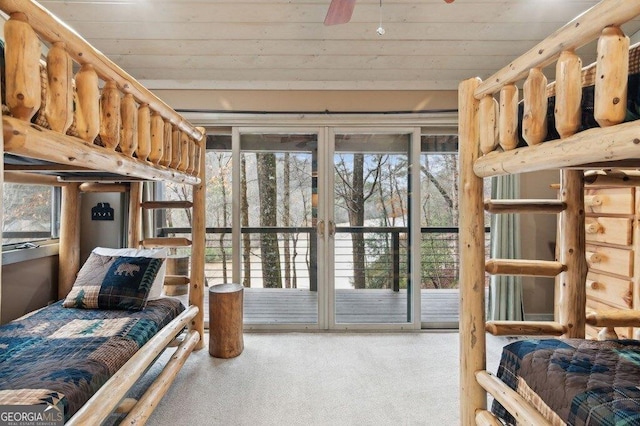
<point>613,250</point>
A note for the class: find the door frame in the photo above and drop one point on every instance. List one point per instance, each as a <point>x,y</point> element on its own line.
<point>326,249</point>
<point>414,226</point>
<point>236,236</point>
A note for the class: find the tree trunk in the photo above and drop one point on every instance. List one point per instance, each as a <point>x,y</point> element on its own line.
<point>286,221</point>
<point>244,213</point>
<point>356,218</point>
<point>268,217</point>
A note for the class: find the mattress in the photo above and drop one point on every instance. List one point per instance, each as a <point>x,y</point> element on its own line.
<point>575,381</point>
<point>61,356</point>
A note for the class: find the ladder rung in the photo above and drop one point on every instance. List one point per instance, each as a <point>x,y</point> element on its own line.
<point>166,242</point>
<point>176,280</point>
<point>166,205</point>
<point>524,206</point>
<point>614,318</point>
<point>525,328</point>
<point>533,268</point>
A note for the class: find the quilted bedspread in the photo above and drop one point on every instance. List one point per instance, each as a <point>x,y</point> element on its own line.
<point>575,381</point>
<point>61,356</point>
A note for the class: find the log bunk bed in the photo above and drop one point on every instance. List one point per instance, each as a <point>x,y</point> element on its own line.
<point>551,380</point>
<point>63,130</point>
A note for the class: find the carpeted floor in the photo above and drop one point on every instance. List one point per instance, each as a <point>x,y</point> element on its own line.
<point>323,379</point>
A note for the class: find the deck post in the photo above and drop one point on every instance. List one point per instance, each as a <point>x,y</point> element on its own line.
<point>472,257</point>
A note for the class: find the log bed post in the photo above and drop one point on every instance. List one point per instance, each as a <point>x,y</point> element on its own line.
<point>198,236</point>
<point>69,255</point>
<point>572,295</point>
<point>472,258</point>
<point>135,219</point>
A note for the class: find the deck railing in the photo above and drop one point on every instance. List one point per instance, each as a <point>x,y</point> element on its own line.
<point>385,256</point>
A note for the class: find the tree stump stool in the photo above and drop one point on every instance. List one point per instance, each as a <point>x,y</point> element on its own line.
<point>225,320</point>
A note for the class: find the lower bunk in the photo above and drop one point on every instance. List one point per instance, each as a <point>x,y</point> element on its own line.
<point>82,362</point>
<point>573,381</point>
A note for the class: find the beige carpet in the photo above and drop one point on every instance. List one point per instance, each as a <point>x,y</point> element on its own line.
<point>323,379</point>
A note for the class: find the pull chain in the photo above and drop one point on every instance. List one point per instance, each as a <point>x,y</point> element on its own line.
<point>380,30</point>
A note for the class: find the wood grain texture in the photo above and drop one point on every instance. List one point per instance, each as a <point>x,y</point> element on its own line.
<point>225,320</point>
<point>59,107</point>
<point>568,93</point>
<point>612,69</point>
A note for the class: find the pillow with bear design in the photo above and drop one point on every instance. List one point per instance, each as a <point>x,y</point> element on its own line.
<point>113,282</point>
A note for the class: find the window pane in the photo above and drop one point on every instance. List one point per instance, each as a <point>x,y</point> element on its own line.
<point>27,213</point>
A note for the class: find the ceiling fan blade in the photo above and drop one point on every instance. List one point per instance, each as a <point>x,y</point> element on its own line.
<point>339,12</point>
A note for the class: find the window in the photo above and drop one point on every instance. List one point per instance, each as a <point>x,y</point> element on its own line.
<point>31,213</point>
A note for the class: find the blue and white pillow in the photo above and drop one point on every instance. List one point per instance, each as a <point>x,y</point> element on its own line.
<point>113,282</point>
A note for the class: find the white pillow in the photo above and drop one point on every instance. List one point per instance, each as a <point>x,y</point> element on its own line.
<point>160,253</point>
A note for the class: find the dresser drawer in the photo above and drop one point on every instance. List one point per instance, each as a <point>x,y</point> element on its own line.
<point>595,306</point>
<point>612,260</point>
<point>609,230</point>
<point>609,200</point>
<point>610,290</point>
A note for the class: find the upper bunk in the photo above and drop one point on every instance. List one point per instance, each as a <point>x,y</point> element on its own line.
<point>70,113</point>
<point>496,125</point>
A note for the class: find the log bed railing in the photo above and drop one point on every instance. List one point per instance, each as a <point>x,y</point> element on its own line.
<point>488,143</point>
<point>152,140</point>
<point>104,122</point>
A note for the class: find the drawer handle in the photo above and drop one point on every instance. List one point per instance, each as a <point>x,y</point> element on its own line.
<point>593,257</point>
<point>592,200</point>
<point>594,227</point>
<point>593,285</point>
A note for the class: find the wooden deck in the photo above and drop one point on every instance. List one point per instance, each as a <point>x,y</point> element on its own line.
<point>299,306</point>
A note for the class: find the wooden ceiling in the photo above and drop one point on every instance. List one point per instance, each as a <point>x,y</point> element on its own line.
<point>283,44</point>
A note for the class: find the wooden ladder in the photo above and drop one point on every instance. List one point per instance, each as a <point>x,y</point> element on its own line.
<point>570,268</point>
<point>195,279</point>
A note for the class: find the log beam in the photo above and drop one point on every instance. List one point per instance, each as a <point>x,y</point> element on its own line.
<point>611,144</point>
<point>571,290</point>
<point>578,32</point>
<point>532,268</point>
<point>140,413</point>
<point>69,254</point>
<point>54,30</point>
<point>472,257</point>
<point>614,318</point>
<point>524,206</point>
<point>525,328</point>
<point>516,405</point>
<point>29,140</point>
<point>198,234</point>
<point>108,397</point>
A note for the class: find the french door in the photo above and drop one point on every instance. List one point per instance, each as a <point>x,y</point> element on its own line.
<point>323,229</point>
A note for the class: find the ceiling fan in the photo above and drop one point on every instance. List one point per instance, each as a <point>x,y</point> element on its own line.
<point>340,11</point>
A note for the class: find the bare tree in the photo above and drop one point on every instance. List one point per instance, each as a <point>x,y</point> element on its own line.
<point>267,190</point>
<point>244,217</point>
<point>350,186</point>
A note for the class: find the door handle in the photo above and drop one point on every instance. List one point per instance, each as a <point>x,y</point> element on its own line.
<point>332,228</point>
<point>320,228</point>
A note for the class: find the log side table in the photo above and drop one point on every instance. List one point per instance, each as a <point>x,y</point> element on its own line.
<point>225,320</point>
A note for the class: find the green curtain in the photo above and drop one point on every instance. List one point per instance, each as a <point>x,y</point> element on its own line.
<point>505,292</point>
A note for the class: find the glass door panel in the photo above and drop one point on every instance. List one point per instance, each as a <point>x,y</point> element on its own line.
<point>371,233</point>
<point>278,234</point>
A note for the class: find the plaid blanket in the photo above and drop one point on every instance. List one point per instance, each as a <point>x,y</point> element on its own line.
<point>62,356</point>
<point>575,381</point>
